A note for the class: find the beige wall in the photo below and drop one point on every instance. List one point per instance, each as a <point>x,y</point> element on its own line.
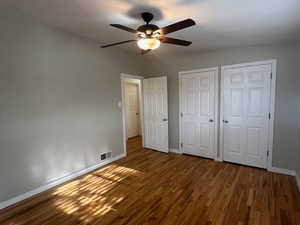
<point>298,166</point>
<point>287,124</point>
<point>298,162</point>
<point>58,100</point>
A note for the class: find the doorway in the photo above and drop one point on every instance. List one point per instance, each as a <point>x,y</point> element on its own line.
<point>132,110</point>
<point>145,112</point>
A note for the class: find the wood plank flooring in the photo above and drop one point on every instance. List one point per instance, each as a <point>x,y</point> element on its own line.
<point>150,187</point>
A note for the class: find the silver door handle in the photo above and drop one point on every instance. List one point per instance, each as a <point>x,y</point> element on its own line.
<point>211,120</point>
<point>164,119</point>
<point>225,121</point>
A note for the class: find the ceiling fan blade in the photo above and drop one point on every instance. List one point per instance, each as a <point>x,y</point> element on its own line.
<point>174,41</point>
<point>143,52</point>
<point>128,29</point>
<point>117,43</point>
<point>177,26</point>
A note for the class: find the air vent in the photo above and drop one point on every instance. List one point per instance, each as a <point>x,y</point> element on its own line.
<point>108,155</point>
<point>105,156</point>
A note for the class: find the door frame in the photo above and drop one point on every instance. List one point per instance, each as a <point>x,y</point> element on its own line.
<point>216,118</point>
<point>273,63</point>
<point>125,77</point>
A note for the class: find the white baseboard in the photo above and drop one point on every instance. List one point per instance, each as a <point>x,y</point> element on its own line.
<point>175,150</point>
<point>282,171</point>
<point>218,159</point>
<point>298,181</point>
<point>57,182</point>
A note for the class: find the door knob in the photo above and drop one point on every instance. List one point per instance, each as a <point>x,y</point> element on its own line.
<point>211,120</point>
<point>164,119</point>
<point>225,121</point>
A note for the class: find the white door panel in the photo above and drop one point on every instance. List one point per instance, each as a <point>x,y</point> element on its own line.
<point>132,109</point>
<point>156,113</point>
<point>246,102</point>
<point>198,112</point>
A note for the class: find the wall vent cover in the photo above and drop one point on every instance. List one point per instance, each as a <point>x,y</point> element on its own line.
<point>105,156</point>
<point>108,155</point>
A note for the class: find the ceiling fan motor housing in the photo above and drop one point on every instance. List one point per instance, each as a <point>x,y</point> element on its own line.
<point>148,27</point>
<point>147,17</point>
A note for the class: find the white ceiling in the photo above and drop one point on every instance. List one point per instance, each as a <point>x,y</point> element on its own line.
<point>220,23</point>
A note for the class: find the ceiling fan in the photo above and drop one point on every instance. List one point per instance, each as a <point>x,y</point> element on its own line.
<point>149,36</point>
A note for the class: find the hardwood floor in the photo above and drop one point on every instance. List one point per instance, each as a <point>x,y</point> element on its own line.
<point>150,187</point>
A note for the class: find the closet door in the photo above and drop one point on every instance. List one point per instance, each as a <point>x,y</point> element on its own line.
<point>198,112</point>
<point>245,114</point>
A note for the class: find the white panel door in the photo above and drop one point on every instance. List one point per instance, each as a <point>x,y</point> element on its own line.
<point>132,109</point>
<point>246,107</point>
<point>198,131</point>
<point>156,114</point>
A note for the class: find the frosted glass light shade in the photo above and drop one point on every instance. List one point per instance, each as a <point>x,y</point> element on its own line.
<point>148,43</point>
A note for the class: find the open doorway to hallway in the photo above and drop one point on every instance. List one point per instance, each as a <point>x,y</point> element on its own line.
<point>132,108</point>
<point>145,111</point>
<point>132,99</point>
<point>134,146</point>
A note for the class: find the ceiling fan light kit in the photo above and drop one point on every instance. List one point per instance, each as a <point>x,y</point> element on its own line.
<point>149,36</point>
<point>148,43</point>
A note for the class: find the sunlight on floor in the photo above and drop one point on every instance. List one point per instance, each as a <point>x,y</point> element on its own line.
<point>84,198</point>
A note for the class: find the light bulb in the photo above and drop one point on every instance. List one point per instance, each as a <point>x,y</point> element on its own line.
<point>148,43</point>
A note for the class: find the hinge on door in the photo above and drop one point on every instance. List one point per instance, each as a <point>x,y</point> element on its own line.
<point>268,153</point>
<point>269,116</point>
<point>181,144</point>
<point>181,114</point>
<point>271,76</point>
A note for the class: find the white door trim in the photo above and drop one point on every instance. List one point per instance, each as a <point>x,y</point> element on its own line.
<point>273,63</point>
<point>216,119</point>
<point>123,78</point>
